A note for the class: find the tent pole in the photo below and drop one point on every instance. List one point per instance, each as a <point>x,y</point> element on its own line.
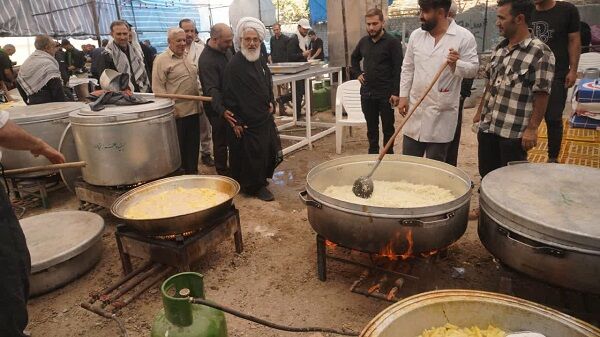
<point>118,10</point>
<point>94,9</point>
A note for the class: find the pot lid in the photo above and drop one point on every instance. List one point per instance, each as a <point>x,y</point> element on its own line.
<point>56,237</point>
<point>554,203</point>
<point>152,105</point>
<point>46,111</point>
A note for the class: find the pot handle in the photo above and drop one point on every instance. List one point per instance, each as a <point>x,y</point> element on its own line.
<point>556,252</point>
<point>304,197</point>
<point>423,223</point>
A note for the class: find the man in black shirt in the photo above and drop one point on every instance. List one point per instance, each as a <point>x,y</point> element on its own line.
<point>211,65</point>
<point>316,47</point>
<point>556,23</point>
<point>278,45</point>
<point>74,58</point>
<point>297,51</point>
<point>380,77</point>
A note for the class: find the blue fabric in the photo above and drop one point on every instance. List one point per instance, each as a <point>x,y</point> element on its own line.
<point>318,11</point>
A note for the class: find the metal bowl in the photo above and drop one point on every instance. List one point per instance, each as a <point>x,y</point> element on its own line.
<point>466,308</point>
<point>181,223</point>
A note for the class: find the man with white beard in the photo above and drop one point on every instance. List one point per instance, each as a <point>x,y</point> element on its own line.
<point>254,144</point>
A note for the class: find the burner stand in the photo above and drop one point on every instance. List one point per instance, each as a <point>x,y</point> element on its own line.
<point>182,251</point>
<point>381,282</point>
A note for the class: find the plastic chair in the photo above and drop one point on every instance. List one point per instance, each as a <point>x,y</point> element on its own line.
<point>347,99</point>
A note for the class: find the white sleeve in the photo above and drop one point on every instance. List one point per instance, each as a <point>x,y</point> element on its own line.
<point>408,68</point>
<point>3,118</point>
<point>468,64</point>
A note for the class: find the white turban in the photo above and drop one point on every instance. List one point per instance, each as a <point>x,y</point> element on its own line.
<point>250,22</point>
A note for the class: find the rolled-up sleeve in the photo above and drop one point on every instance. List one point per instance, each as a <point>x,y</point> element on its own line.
<point>544,70</point>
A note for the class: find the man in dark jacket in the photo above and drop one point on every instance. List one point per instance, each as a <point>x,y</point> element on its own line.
<point>297,51</point>
<point>74,58</point>
<point>381,56</point>
<point>211,65</point>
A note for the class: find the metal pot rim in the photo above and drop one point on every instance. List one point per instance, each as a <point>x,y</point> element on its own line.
<point>388,211</point>
<point>442,296</point>
<point>128,194</point>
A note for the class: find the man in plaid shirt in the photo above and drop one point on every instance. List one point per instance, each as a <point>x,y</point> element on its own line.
<point>519,80</point>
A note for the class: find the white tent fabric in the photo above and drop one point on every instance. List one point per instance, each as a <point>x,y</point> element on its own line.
<point>57,18</point>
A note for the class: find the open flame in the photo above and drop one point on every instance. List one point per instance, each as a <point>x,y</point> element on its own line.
<point>330,244</point>
<point>388,250</point>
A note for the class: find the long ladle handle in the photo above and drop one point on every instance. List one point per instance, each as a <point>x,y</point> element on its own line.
<point>45,168</point>
<point>391,140</point>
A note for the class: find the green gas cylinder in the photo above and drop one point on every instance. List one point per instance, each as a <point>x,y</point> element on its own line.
<point>320,98</point>
<point>179,317</point>
<point>327,86</point>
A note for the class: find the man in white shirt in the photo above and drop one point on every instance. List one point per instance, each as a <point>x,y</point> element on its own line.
<point>193,50</point>
<point>15,262</point>
<point>431,128</point>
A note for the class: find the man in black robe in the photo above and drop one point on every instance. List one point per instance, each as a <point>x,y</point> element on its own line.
<point>254,144</point>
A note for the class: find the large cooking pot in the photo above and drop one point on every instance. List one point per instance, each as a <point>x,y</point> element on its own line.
<point>125,145</point>
<point>388,230</point>
<point>466,308</point>
<point>194,220</point>
<point>45,121</point>
<point>544,220</point>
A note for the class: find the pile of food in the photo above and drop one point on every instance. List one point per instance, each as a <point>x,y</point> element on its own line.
<point>175,202</point>
<point>450,330</point>
<point>397,194</point>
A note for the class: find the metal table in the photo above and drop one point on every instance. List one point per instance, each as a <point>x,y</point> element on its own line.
<point>306,75</point>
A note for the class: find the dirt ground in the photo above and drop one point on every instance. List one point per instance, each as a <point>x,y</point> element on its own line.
<point>275,276</point>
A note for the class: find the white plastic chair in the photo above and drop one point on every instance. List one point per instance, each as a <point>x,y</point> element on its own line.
<point>347,99</point>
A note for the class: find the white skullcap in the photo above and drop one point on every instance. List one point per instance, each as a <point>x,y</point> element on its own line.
<point>250,22</point>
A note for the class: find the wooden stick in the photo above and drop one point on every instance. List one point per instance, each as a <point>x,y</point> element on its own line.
<point>50,167</point>
<point>188,97</point>
<point>391,141</point>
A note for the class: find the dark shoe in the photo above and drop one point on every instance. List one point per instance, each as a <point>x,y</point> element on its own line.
<point>553,160</point>
<point>208,160</point>
<point>264,194</point>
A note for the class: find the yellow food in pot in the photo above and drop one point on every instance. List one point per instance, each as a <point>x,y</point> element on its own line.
<point>394,194</point>
<point>450,330</point>
<point>175,202</point>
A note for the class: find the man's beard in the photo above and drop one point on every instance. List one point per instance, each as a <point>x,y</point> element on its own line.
<point>429,25</point>
<point>251,55</point>
<point>376,34</point>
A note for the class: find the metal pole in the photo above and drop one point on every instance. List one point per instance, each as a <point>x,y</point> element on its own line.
<point>485,20</point>
<point>118,10</point>
<point>94,9</point>
<point>259,11</point>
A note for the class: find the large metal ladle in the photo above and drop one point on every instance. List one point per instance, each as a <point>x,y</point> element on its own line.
<point>363,186</point>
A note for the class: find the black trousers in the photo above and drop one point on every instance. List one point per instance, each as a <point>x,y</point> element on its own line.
<point>452,156</point>
<point>553,117</point>
<point>188,132</point>
<point>300,87</point>
<point>495,152</point>
<point>373,109</point>
<point>435,151</point>
<point>220,148</point>
<point>15,266</point>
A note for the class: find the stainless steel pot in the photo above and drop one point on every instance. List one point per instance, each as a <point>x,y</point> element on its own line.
<point>543,220</point>
<point>395,231</point>
<point>466,308</point>
<point>125,145</point>
<point>194,220</point>
<point>63,246</point>
<point>45,121</point>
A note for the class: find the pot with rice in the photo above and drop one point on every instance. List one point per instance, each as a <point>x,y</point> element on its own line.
<point>418,205</point>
